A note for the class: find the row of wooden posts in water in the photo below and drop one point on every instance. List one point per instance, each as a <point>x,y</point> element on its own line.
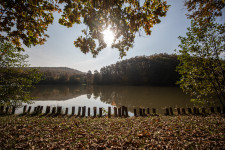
<point>118,112</point>
<point>195,111</point>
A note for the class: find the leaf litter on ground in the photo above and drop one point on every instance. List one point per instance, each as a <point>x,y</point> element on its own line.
<point>155,132</point>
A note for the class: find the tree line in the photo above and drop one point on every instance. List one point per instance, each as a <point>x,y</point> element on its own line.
<point>63,78</point>
<point>157,69</point>
<point>60,75</point>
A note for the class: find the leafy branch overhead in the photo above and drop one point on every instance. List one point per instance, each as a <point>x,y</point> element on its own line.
<point>124,17</point>
<point>29,20</point>
<point>204,11</point>
<point>26,20</point>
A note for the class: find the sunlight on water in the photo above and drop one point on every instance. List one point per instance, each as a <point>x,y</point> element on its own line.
<point>80,101</point>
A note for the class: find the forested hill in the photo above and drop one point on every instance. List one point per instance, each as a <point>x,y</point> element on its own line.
<point>58,70</point>
<point>60,75</point>
<point>158,69</point>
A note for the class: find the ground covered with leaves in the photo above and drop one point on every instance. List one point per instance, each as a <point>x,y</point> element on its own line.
<point>157,132</point>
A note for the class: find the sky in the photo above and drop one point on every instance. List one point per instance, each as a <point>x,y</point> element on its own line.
<point>59,50</point>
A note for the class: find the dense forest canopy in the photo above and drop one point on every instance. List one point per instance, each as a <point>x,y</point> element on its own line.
<point>158,69</point>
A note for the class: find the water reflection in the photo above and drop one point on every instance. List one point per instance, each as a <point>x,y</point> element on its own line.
<point>130,96</point>
<point>142,96</point>
<point>57,92</point>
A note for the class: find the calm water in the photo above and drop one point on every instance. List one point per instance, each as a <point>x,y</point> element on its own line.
<point>104,96</point>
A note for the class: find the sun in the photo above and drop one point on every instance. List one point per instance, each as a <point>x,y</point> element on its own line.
<point>108,36</point>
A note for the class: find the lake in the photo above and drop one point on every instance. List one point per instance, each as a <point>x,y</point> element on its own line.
<point>105,96</point>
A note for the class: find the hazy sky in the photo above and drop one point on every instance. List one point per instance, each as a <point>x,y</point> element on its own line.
<point>59,50</point>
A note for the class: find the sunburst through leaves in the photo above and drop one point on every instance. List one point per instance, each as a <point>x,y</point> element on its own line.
<point>109,36</point>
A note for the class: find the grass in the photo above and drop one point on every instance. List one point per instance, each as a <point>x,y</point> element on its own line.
<point>157,132</point>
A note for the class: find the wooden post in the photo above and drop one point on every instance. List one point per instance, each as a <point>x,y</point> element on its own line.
<point>178,111</point>
<point>153,111</point>
<point>41,109</point>
<point>109,112</point>
<point>73,110</point>
<point>24,109</point>
<point>167,112</point>
<point>35,109</point>
<point>79,111</point>
<point>135,112</point>
<point>29,109</point>
<point>140,112</point>
<point>38,109</point>
<point>89,111</point>
<point>119,112</point>
<point>13,110</point>
<point>59,110</point>
<point>100,111</point>
<point>126,112</point>
<point>212,110</point>
<point>183,111</point>
<point>53,110</point>
<point>47,110</point>
<point>203,110</point>
<point>83,111</point>
<point>115,111</point>
<point>95,111</point>
<point>219,110</point>
<point>189,111</point>
<point>123,111</point>
<point>148,111</point>
<point>171,111</point>
<point>143,110</point>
